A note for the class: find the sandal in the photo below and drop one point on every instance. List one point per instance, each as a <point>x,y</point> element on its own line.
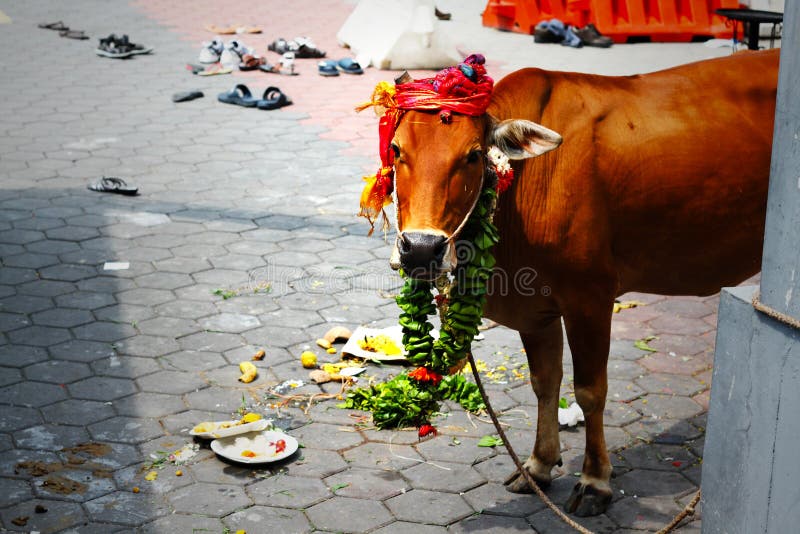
<point>251,62</point>
<point>214,69</point>
<point>227,30</point>
<point>186,96</point>
<point>113,185</point>
<point>327,68</point>
<point>53,26</point>
<point>273,99</point>
<point>73,34</point>
<point>239,96</point>
<point>349,66</point>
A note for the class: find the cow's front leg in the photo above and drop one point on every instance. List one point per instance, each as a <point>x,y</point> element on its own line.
<point>588,327</point>
<point>544,349</point>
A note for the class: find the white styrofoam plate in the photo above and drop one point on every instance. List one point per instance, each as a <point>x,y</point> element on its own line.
<point>265,446</point>
<point>223,429</point>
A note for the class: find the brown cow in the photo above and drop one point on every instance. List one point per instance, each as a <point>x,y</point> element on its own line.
<point>659,186</point>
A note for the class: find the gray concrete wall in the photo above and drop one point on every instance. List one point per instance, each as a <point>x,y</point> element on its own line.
<point>781,261</point>
<point>750,465</point>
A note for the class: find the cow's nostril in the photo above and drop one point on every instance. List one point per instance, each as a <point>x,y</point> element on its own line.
<point>404,244</point>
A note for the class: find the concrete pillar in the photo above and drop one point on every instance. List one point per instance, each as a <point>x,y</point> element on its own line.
<point>750,464</point>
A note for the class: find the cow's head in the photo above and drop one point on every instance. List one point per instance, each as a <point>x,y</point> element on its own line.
<point>440,164</point>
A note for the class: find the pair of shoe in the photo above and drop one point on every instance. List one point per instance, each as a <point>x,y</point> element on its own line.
<point>64,30</point>
<point>229,54</point>
<point>120,47</point>
<point>332,67</point>
<point>285,66</point>
<point>555,31</point>
<point>240,95</point>
<point>303,47</point>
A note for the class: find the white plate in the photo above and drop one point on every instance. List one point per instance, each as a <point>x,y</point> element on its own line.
<point>262,443</point>
<point>224,429</point>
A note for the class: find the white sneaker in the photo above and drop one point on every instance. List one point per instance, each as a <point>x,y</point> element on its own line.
<point>211,52</point>
<point>232,54</point>
<point>287,63</point>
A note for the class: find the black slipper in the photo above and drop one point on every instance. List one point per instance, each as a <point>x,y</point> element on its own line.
<point>53,26</point>
<point>73,34</point>
<point>186,96</point>
<point>109,184</point>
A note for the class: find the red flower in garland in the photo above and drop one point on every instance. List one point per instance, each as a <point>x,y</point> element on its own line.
<point>426,430</point>
<point>423,374</point>
<point>440,300</point>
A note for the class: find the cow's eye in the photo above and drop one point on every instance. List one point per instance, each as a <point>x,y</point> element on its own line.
<point>396,150</point>
<point>474,156</point>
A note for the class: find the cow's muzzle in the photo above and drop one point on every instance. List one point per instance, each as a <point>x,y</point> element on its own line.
<point>422,255</point>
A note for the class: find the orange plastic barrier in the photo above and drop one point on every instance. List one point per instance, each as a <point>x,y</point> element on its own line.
<point>661,20</point>
<point>522,16</point>
<point>622,20</point>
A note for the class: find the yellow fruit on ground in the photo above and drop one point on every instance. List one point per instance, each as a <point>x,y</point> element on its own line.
<point>308,359</point>
<point>332,350</point>
<point>324,343</point>
<point>249,372</point>
<point>250,418</point>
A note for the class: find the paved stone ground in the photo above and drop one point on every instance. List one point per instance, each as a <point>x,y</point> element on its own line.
<point>260,205</point>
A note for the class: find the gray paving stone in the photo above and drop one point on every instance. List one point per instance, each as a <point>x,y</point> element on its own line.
<point>288,492</point>
<point>167,481</point>
<point>62,318</point>
<point>102,388</point>
<point>40,336</point>
<point>13,321</point>
<point>210,342</point>
<point>124,313</point>
<point>643,513</point>
<point>59,517</point>
<point>168,327</point>
<point>367,483</point>
<point>319,435</point>
<point>491,523</point>
<point>68,273</point>
<point>186,309</point>
<point>85,300</point>
<point>443,476</point>
<point>87,485</point>
<point>82,350</point>
<point>546,522</point>
<point>77,412</point>
<point>50,437</point>
<point>215,500</point>
<point>25,304</point>
<point>174,382</point>
<point>125,430</point>
<point>9,375</point>
<point>32,394</point>
<point>451,449</point>
<point>652,483</point>
<point>342,514</point>
<point>164,280</point>
<point>402,527</point>
<point>183,523</point>
<point>495,499</point>
<point>145,296</point>
<point>429,507</point>
<point>149,405</point>
<point>30,260</point>
<point>192,360</point>
<point>230,323</point>
<point>57,371</point>
<point>125,508</point>
<point>14,491</point>
<point>669,406</point>
<point>316,463</point>
<point>279,519</point>
<point>21,355</point>
<point>147,346</point>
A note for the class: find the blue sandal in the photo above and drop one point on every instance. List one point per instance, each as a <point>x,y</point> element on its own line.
<point>349,66</point>
<point>239,96</point>
<point>273,99</point>
<point>327,68</point>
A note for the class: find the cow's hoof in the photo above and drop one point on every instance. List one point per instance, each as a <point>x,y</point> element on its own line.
<point>587,500</point>
<point>517,483</point>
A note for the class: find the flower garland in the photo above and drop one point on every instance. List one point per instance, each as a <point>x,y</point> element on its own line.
<point>411,398</point>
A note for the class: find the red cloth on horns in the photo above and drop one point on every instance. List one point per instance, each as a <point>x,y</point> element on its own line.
<point>464,89</point>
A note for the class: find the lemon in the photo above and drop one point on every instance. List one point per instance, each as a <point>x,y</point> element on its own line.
<point>250,418</point>
<point>308,359</point>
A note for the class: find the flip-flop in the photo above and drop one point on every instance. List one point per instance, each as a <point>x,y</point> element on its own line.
<point>251,62</point>
<point>273,99</point>
<point>53,26</point>
<point>73,34</point>
<point>327,68</point>
<point>239,96</point>
<point>349,66</point>
<point>185,96</point>
<point>214,69</point>
<point>110,184</point>
<point>248,29</point>
<point>195,69</point>
<point>226,30</point>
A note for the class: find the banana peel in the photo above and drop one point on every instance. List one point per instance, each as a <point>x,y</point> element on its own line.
<point>626,304</point>
<point>337,333</point>
<point>249,372</point>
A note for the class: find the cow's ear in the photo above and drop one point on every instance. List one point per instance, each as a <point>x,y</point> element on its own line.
<point>521,139</point>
